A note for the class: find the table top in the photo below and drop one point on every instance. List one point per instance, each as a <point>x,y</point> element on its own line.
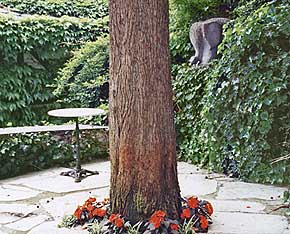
<point>76,112</point>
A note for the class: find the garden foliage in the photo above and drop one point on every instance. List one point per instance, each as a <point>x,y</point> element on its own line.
<point>84,79</point>
<point>32,49</point>
<point>75,8</point>
<point>98,218</point>
<point>238,107</point>
<point>23,153</point>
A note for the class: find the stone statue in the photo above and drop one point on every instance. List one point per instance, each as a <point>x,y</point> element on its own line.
<point>205,37</point>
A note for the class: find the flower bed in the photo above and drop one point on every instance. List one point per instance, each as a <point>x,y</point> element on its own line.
<point>96,217</point>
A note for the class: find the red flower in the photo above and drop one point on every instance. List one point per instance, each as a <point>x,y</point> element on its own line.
<point>113,217</point>
<point>78,212</point>
<point>157,218</point>
<point>185,213</point>
<point>90,207</point>
<point>174,226</point>
<point>91,199</point>
<point>209,208</point>
<point>99,212</point>
<point>192,202</point>
<point>119,222</point>
<point>203,222</point>
<point>116,220</point>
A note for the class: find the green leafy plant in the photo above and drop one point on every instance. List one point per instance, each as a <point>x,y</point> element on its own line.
<point>32,49</point>
<point>67,221</point>
<point>22,153</point>
<point>245,106</point>
<point>84,79</point>
<point>97,217</point>
<point>76,8</point>
<point>94,228</point>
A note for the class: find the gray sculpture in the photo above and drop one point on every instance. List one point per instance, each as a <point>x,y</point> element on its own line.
<point>205,37</point>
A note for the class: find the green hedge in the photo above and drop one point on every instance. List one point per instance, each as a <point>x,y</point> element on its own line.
<point>244,113</point>
<point>76,8</point>
<point>32,49</point>
<point>84,79</point>
<point>23,153</point>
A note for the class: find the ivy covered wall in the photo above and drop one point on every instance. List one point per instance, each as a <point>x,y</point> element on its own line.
<point>82,9</point>
<point>237,108</point>
<point>32,50</point>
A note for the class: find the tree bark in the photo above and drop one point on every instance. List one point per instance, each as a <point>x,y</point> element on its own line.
<point>142,133</point>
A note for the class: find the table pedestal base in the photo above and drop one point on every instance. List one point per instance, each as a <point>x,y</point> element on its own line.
<point>79,174</point>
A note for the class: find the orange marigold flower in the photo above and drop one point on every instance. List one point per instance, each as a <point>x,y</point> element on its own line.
<point>203,222</point>
<point>209,208</point>
<point>157,218</point>
<point>159,213</point>
<point>119,222</point>
<point>192,202</point>
<point>174,226</point>
<point>185,213</point>
<point>91,199</point>
<point>113,217</point>
<point>90,207</point>
<point>99,212</point>
<point>156,221</point>
<point>78,212</point>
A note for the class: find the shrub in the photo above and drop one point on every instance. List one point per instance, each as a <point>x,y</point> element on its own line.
<point>84,79</point>
<point>23,153</point>
<point>76,8</point>
<point>245,107</point>
<point>32,49</point>
<point>189,85</point>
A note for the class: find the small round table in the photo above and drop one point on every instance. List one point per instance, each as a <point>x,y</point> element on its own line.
<point>77,173</point>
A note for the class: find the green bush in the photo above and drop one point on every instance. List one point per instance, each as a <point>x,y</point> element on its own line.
<point>23,153</point>
<point>76,8</point>
<point>32,49</point>
<point>189,85</point>
<point>84,77</point>
<point>244,114</point>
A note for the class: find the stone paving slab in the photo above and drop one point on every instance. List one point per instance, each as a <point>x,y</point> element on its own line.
<point>64,205</point>
<point>196,185</point>
<point>241,223</point>
<point>237,206</point>
<point>27,223</point>
<point>45,197</point>
<point>12,212</point>
<point>15,193</point>
<point>186,168</point>
<point>51,228</point>
<point>53,182</point>
<point>287,231</point>
<point>241,190</point>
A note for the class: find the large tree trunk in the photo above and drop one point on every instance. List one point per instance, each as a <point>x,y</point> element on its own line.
<point>142,134</point>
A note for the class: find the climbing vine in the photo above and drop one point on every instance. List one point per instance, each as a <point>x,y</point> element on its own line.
<point>84,79</point>
<point>32,49</point>
<point>82,9</point>
<point>244,112</point>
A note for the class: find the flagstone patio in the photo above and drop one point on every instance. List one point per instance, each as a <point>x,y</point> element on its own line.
<point>36,202</point>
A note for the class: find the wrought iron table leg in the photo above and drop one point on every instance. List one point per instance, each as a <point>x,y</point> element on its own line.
<point>78,173</point>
